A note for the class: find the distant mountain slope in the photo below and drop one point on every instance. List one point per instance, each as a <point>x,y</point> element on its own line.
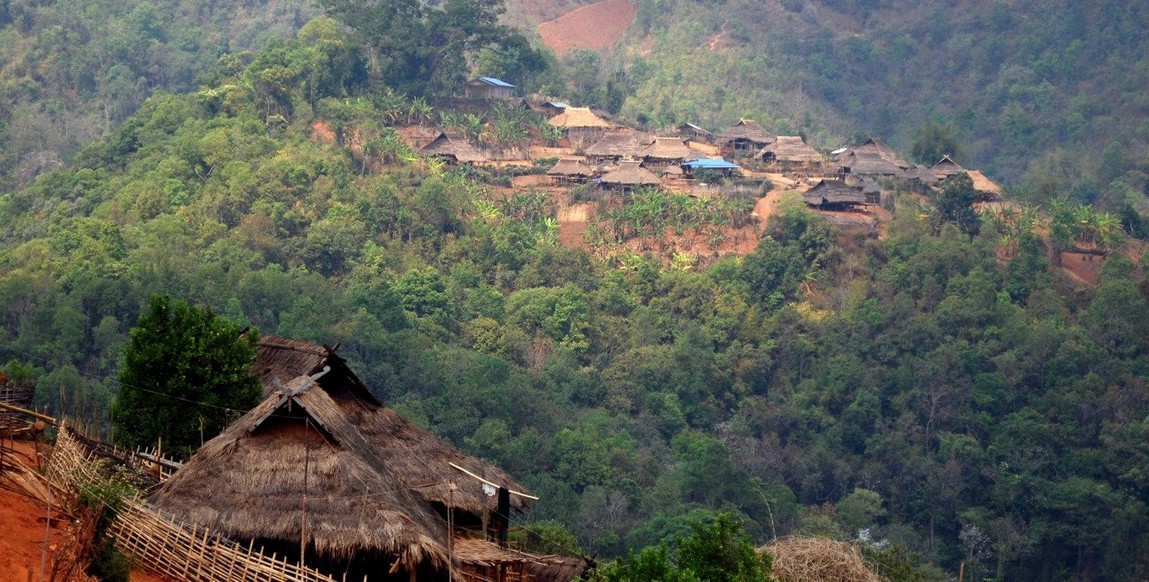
<point>72,71</point>
<point>1048,92</point>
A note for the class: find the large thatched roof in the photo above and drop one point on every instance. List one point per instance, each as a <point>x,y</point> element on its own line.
<point>790,148</point>
<point>296,458</point>
<point>833,192</point>
<point>878,147</point>
<point>573,117</point>
<point>453,147</point>
<point>419,458</point>
<point>668,149</point>
<point>570,167</point>
<point>618,144</point>
<point>630,173</point>
<point>746,130</point>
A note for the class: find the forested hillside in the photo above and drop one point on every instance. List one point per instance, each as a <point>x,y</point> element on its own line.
<point>941,393</point>
<point>72,71</point>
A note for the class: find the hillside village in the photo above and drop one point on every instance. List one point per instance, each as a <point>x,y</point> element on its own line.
<point>591,162</point>
<point>515,338</point>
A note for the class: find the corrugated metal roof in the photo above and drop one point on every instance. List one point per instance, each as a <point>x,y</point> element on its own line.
<point>711,164</point>
<point>496,82</point>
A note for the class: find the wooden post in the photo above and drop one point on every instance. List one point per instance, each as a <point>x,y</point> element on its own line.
<point>961,572</point>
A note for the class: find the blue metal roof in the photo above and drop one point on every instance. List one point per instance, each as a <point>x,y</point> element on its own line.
<point>710,164</point>
<point>495,82</point>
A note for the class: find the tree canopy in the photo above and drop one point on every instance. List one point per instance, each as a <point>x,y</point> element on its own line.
<point>186,375</point>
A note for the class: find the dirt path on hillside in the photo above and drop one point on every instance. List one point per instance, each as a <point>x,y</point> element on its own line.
<point>596,27</point>
<point>22,544</point>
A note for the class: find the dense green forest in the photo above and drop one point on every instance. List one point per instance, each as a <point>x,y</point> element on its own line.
<point>941,393</point>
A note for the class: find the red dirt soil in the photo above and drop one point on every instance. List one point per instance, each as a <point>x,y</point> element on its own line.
<point>595,27</point>
<point>22,524</point>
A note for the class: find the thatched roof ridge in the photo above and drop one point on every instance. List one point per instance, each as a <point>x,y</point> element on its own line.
<point>790,148</point>
<point>945,168</point>
<point>630,173</point>
<point>619,143</point>
<point>748,130</point>
<point>570,167</point>
<point>419,458</point>
<point>252,479</point>
<point>833,192</point>
<point>578,117</point>
<point>668,148</point>
<point>453,146</point>
<point>879,147</point>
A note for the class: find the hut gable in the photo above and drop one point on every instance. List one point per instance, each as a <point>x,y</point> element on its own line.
<point>250,482</point>
<point>745,135</point>
<point>630,174</point>
<point>454,149</point>
<point>945,168</point>
<point>790,149</point>
<point>879,147</point>
<point>397,442</point>
<point>833,193</point>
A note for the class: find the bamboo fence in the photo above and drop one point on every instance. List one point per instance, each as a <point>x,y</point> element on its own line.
<point>17,394</point>
<point>166,545</point>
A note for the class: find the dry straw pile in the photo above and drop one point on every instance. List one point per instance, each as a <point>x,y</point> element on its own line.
<point>799,559</point>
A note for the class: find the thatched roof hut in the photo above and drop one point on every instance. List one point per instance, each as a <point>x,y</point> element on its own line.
<point>580,124</point>
<point>403,446</point>
<point>666,150</point>
<point>984,186</point>
<point>576,117</point>
<point>618,144</point>
<point>746,135</point>
<point>570,170</point>
<point>789,149</point>
<point>629,174</point>
<point>865,163</point>
<point>321,450</point>
<point>920,176</point>
<point>297,461</point>
<point>828,193</point>
<point>695,133</point>
<point>945,168</point>
<point>454,149</point>
<point>879,148</point>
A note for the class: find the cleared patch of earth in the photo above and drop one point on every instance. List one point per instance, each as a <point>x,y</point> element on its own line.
<point>597,27</point>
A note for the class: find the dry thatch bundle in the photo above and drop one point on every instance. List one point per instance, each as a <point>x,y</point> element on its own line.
<point>798,559</point>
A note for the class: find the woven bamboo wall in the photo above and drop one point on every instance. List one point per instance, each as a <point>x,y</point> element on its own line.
<point>165,545</point>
